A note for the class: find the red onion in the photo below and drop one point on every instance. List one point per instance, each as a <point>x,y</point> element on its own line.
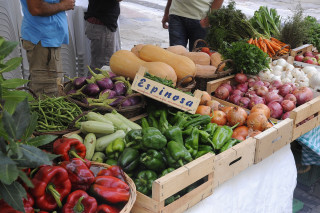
<point>280,99</point>
<point>243,87</point>
<point>244,102</point>
<point>256,100</point>
<point>258,84</point>
<point>235,99</point>
<point>262,91</point>
<point>291,85</point>
<point>273,89</point>
<point>271,96</point>
<point>240,78</point>
<point>303,95</point>
<point>222,93</point>
<point>291,97</point>
<point>285,115</point>
<point>237,92</point>
<point>228,86</point>
<point>285,90</point>
<point>250,94</point>
<point>287,105</point>
<point>275,109</point>
<point>276,83</point>
<point>251,81</point>
<point>266,83</point>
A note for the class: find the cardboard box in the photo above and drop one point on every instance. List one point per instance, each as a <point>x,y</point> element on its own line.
<point>270,140</point>
<point>174,182</point>
<point>165,94</point>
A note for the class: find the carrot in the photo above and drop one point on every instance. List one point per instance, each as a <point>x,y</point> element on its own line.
<point>250,40</point>
<point>265,49</point>
<point>277,41</point>
<point>261,44</point>
<point>269,46</point>
<point>275,46</point>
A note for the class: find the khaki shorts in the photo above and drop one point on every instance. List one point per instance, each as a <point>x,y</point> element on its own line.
<point>45,68</point>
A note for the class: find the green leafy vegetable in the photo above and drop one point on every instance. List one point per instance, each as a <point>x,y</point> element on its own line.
<point>246,58</point>
<point>266,21</point>
<point>313,32</point>
<point>163,81</point>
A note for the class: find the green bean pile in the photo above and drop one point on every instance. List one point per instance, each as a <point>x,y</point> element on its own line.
<point>54,114</point>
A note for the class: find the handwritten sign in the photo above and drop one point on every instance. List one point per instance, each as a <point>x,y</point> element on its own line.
<point>165,94</point>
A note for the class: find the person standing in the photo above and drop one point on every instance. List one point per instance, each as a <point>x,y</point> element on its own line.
<point>187,20</point>
<point>101,26</point>
<point>44,29</point>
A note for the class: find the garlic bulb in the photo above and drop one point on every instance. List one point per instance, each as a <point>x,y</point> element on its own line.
<point>289,67</point>
<point>277,70</point>
<point>276,77</point>
<point>286,80</point>
<point>282,62</point>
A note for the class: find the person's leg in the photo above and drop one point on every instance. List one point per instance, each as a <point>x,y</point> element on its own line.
<point>177,31</point>
<point>45,68</point>
<point>194,31</point>
<point>102,44</point>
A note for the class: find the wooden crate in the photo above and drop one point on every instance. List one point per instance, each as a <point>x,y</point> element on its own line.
<point>270,140</point>
<point>301,50</point>
<point>174,182</point>
<point>233,161</point>
<point>303,112</point>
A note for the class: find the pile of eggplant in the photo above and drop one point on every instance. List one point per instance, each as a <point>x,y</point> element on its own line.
<point>103,89</point>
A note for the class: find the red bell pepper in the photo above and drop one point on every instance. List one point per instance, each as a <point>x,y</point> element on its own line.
<point>110,189</point>
<point>67,147</point>
<point>80,202</point>
<point>104,208</point>
<point>114,171</point>
<point>80,176</point>
<point>51,185</point>
<point>27,203</point>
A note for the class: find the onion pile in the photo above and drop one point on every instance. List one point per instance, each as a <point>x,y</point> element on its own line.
<point>280,98</point>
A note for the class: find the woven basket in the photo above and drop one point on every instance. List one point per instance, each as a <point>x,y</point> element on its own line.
<point>202,80</point>
<point>285,56</point>
<point>133,192</point>
<point>128,112</point>
<point>186,87</point>
<point>198,49</point>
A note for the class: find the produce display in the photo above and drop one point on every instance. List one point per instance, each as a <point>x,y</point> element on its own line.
<point>309,57</point>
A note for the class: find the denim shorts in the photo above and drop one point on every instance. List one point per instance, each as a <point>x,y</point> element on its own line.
<point>182,30</point>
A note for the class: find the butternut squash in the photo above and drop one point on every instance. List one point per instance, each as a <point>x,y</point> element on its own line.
<point>198,57</point>
<point>216,59</point>
<point>205,71</point>
<point>177,49</point>
<point>127,64</point>
<point>182,65</point>
<point>136,49</point>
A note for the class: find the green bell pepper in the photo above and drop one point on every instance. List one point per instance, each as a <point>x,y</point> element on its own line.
<point>144,181</point>
<point>133,138</point>
<point>171,199</point>
<point>144,123</point>
<point>111,162</point>
<point>230,143</point>
<point>221,136</point>
<point>152,121</point>
<point>163,122</point>
<point>129,159</point>
<point>210,128</point>
<point>192,142</point>
<point>205,137</point>
<point>204,149</point>
<point>179,119</point>
<point>153,160</point>
<point>198,121</point>
<point>115,148</point>
<point>177,155</point>
<point>174,133</point>
<point>167,171</point>
<point>153,139</point>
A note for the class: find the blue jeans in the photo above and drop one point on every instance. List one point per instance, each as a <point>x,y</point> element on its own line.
<point>182,30</point>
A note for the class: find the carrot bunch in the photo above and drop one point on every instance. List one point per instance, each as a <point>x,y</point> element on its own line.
<point>270,46</point>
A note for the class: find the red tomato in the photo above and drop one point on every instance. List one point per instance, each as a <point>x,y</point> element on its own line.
<point>205,49</point>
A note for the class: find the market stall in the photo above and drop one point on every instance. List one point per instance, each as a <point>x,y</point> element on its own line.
<point>143,136</point>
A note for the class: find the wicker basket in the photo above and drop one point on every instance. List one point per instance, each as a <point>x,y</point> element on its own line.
<point>133,192</point>
<point>198,49</point>
<point>128,112</point>
<point>202,80</point>
<point>186,87</point>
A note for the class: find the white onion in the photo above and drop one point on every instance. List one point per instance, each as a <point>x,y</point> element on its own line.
<point>315,81</point>
<point>282,62</point>
<point>286,80</point>
<point>277,70</point>
<point>276,77</point>
<point>274,63</point>
<point>289,67</point>
<point>307,69</point>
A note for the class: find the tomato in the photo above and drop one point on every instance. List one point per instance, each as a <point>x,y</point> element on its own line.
<point>205,49</point>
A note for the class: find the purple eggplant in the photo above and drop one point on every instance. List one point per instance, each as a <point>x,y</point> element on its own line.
<point>120,88</point>
<point>126,103</point>
<point>134,100</point>
<point>105,83</point>
<point>117,101</point>
<point>85,101</point>
<point>73,91</point>
<point>79,82</point>
<point>112,93</point>
<point>91,89</point>
<point>112,75</point>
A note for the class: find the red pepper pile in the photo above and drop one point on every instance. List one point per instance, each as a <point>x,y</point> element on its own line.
<point>71,187</point>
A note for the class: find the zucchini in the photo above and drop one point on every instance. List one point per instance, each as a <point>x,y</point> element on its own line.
<point>90,143</point>
<point>117,122</point>
<point>104,141</point>
<point>98,157</point>
<point>96,127</point>
<point>125,120</point>
<point>76,136</point>
<point>92,116</point>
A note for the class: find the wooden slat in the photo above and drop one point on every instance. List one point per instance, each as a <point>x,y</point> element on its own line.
<point>233,161</point>
<point>306,127</point>
<point>300,50</point>
<point>213,85</point>
<point>306,110</point>
<point>179,179</point>
<point>144,204</point>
